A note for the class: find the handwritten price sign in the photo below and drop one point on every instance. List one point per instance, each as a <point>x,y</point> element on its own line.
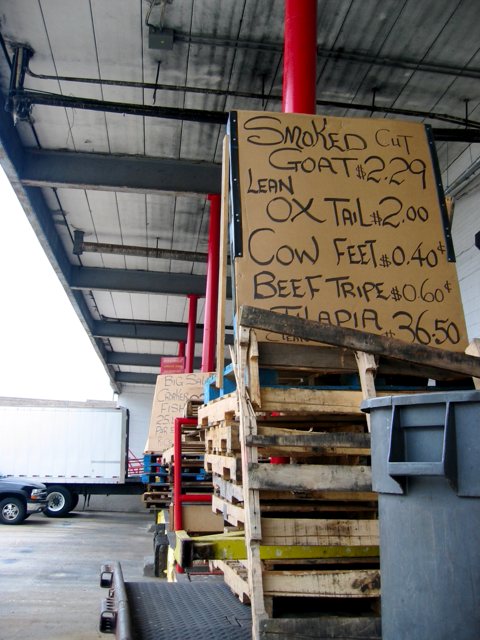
<point>342,221</point>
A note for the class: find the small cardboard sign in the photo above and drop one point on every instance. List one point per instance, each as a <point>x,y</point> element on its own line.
<point>172,392</point>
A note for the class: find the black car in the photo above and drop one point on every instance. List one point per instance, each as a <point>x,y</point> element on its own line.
<point>19,498</point>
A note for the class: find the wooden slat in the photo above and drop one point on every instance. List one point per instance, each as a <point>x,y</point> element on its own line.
<point>311,442</point>
<point>224,408</point>
<point>314,531</point>
<point>227,466</point>
<point>304,400</point>
<point>226,489</point>
<point>327,584</point>
<point>236,577</point>
<point>222,439</point>
<point>359,341</point>
<point>322,628</point>
<point>232,513</point>
<point>307,477</point>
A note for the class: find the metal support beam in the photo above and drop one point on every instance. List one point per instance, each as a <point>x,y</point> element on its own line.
<point>165,331</point>
<point>154,282</point>
<point>141,359</point>
<point>127,377</point>
<point>118,173</point>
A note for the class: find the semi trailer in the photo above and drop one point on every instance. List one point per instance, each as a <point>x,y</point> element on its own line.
<point>74,449</point>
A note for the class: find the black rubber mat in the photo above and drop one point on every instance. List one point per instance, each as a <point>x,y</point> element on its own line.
<point>195,610</point>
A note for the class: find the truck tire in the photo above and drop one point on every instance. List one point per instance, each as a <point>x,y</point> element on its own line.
<point>12,511</point>
<point>59,502</point>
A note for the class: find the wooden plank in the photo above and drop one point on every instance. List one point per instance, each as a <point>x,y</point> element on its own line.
<point>311,442</point>
<point>301,357</point>
<point>253,529</point>
<point>222,277</point>
<point>222,439</point>
<point>233,514</point>
<point>322,628</point>
<point>235,577</point>
<point>253,373</point>
<point>310,401</point>
<point>359,341</point>
<point>314,531</point>
<point>221,409</point>
<point>309,477</point>
<point>324,584</point>
<point>227,466</point>
<point>227,489</point>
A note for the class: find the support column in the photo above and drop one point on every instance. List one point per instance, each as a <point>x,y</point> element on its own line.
<point>300,57</point>
<point>211,295</point>
<point>192,325</point>
<point>299,72</point>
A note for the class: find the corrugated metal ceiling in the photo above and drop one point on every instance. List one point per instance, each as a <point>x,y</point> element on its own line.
<point>374,56</point>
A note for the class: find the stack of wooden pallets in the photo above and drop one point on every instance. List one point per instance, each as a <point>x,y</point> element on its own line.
<point>159,478</point>
<point>311,521</point>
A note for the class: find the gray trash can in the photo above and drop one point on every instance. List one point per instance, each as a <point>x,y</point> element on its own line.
<point>426,468</point>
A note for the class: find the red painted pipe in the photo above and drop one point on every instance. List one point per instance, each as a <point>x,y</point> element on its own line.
<point>300,57</point>
<point>299,72</point>
<point>192,325</point>
<point>181,349</point>
<point>196,497</point>
<point>211,295</point>
<point>177,470</point>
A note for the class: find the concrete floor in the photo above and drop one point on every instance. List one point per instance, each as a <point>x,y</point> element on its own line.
<point>50,568</point>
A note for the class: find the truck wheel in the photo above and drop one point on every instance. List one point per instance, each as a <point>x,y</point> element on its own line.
<point>12,511</point>
<point>59,502</point>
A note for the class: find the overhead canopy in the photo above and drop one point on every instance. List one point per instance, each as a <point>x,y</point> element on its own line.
<point>117,112</point>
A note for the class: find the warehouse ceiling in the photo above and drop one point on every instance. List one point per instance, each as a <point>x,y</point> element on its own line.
<point>114,117</point>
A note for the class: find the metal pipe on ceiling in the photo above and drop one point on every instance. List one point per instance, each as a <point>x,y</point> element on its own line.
<point>80,246</point>
<point>220,117</point>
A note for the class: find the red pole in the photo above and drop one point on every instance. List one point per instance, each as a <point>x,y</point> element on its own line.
<point>181,349</point>
<point>211,296</point>
<point>300,57</point>
<point>299,72</point>
<point>192,325</point>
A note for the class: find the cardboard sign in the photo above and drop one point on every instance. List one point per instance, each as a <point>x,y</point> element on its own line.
<point>172,364</point>
<point>172,392</point>
<point>343,221</point>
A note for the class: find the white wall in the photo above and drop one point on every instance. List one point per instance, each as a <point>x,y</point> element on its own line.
<point>466,223</point>
<point>138,400</point>
<point>461,180</point>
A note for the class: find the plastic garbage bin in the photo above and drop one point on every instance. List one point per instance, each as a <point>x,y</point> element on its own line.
<point>426,468</point>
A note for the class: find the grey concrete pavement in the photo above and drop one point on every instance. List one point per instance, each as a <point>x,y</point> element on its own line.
<point>50,568</point>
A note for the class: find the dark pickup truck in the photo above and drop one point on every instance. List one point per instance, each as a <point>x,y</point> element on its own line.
<point>19,498</point>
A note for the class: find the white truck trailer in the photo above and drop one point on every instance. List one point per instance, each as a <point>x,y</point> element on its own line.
<point>73,448</point>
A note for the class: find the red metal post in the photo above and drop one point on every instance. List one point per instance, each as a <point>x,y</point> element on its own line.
<point>211,296</point>
<point>299,72</point>
<point>300,57</point>
<point>192,325</point>
<point>178,498</point>
<point>181,349</point>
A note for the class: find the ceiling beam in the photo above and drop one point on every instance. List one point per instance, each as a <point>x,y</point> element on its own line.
<point>134,281</point>
<point>118,173</point>
<point>129,377</point>
<point>165,331</point>
<point>133,359</point>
